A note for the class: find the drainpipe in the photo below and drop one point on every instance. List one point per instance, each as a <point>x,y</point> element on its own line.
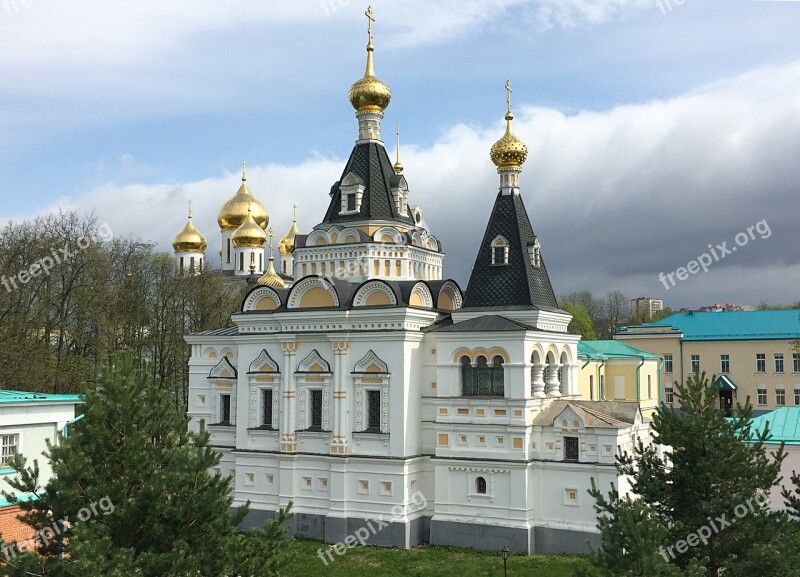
<point>639,381</point>
<point>65,430</point>
<point>600,384</point>
<point>660,367</point>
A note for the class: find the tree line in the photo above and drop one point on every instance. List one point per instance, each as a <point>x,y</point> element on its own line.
<point>73,296</point>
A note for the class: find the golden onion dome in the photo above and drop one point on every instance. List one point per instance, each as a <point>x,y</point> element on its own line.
<point>509,151</point>
<point>234,212</point>
<point>189,239</point>
<point>286,246</point>
<point>249,234</point>
<point>370,94</point>
<point>271,278</point>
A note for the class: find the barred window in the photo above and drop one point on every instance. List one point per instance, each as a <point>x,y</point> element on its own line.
<point>570,448</point>
<point>316,409</point>
<point>480,485</point>
<point>374,411</point>
<point>225,409</point>
<point>266,408</point>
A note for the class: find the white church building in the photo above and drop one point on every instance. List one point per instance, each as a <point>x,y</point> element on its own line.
<point>357,378</point>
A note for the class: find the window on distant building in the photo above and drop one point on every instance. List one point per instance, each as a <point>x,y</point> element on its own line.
<point>669,397</point>
<point>778,362</point>
<point>725,363</point>
<point>780,395</point>
<point>8,447</point>
<point>761,363</point>
<point>649,386</point>
<point>499,251</point>
<point>570,448</point>
<point>696,364</point>
<point>762,395</point>
<point>797,395</point>
<point>316,409</point>
<point>591,387</point>
<point>480,486</point>
<point>228,244</point>
<point>374,411</point>
<point>796,362</point>
<point>668,363</point>
<point>225,409</point>
<point>266,408</point>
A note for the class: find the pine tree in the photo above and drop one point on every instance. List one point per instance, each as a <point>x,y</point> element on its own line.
<point>136,489</point>
<point>698,503</point>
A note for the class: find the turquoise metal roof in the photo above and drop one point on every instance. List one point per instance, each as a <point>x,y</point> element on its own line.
<point>9,397</point>
<point>784,425</point>
<point>611,350</point>
<point>730,325</point>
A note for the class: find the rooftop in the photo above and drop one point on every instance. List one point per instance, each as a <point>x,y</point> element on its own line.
<point>611,350</point>
<point>784,425</point>
<point>725,325</point>
<point>20,397</point>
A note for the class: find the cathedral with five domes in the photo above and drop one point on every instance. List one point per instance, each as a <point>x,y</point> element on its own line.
<point>359,384</point>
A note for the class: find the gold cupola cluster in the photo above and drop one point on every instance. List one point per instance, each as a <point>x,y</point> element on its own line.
<point>189,239</point>
<point>509,153</point>
<point>235,211</point>
<point>369,94</point>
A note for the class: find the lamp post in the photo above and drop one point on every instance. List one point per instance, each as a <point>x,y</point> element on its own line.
<point>505,553</point>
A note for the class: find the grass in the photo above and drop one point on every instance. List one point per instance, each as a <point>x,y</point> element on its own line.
<point>424,562</point>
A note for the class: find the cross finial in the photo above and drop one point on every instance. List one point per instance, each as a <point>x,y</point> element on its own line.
<point>371,19</point>
<point>190,208</point>
<point>508,98</point>
<point>244,170</point>
<point>294,213</point>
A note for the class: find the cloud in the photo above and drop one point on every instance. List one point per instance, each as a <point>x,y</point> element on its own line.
<point>616,196</point>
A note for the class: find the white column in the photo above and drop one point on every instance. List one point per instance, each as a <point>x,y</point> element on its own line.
<point>289,404</point>
<point>538,381</point>
<point>553,381</point>
<point>341,398</point>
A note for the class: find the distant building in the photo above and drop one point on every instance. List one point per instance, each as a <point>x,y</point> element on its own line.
<point>749,353</point>
<point>27,422</point>
<point>646,306</point>
<point>718,308</point>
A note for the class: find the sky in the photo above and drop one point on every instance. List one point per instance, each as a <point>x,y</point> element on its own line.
<point>659,131</point>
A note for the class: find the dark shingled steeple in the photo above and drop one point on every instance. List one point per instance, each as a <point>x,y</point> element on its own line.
<point>371,163</point>
<point>518,284</point>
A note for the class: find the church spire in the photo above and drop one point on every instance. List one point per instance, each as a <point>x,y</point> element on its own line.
<point>369,96</point>
<point>509,153</point>
<point>398,166</point>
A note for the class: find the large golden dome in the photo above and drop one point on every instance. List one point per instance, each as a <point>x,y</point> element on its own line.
<point>286,246</point>
<point>249,234</point>
<point>509,151</point>
<point>189,239</point>
<point>234,212</point>
<point>271,278</point>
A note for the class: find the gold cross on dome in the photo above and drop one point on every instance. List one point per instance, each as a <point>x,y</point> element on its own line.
<point>371,19</point>
<point>244,170</point>
<point>508,98</point>
<point>190,208</point>
<point>294,212</point>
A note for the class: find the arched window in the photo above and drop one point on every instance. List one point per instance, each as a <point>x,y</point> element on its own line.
<point>498,378</point>
<point>467,377</point>
<point>483,376</point>
<point>535,253</point>
<point>480,486</point>
<point>499,251</point>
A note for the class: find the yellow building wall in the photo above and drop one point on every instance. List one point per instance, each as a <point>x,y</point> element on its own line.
<point>622,372</point>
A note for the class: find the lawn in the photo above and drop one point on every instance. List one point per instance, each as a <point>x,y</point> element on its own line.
<point>424,562</point>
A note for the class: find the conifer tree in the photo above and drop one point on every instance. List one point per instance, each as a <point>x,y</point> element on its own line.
<point>699,498</point>
<point>132,494</point>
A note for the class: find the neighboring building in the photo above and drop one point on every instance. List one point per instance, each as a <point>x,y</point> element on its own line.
<point>27,422</point>
<point>614,371</point>
<point>717,308</point>
<point>646,306</point>
<point>349,395</point>
<point>748,353</point>
<point>784,427</point>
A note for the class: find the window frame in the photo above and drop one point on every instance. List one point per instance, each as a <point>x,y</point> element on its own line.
<point>796,362</point>
<point>315,409</point>
<point>725,364</point>
<point>575,443</point>
<point>779,363</point>
<point>694,364</point>
<point>668,363</point>
<point>5,453</point>
<point>761,396</point>
<point>761,363</point>
<point>371,411</point>
<point>780,397</point>
<point>267,393</point>
<point>225,406</point>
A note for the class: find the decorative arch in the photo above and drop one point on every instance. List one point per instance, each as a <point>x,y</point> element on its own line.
<point>500,251</point>
<point>449,297</point>
<point>352,179</point>
<point>421,296</point>
<point>210,352</point>
<point>416,239</point>
<point>314,363</point>
<point>228,353</point>
<point>313,292</point>
<point>487,354</point>
<point>371,364</point>
<point>318,238</point>
<point>388,235</point>
<point>348,236</point>
<point>537,354</point>
<point>223,370</point>
<point>552,355</point>
<point>433,243</point>
<point>264,363</point>
<point>374,293</point>
<point>262,299</point>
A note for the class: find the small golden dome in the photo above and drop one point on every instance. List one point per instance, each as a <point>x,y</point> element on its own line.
<point>249,234</point>
<point>189,239</point>
<point>370,94</point>
<point>509,151</point>
<point>286,246</point>
<point>271,278</point>
<point>234,212</point>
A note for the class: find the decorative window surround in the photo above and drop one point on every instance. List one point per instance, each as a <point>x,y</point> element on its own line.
<point>370,374</point>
